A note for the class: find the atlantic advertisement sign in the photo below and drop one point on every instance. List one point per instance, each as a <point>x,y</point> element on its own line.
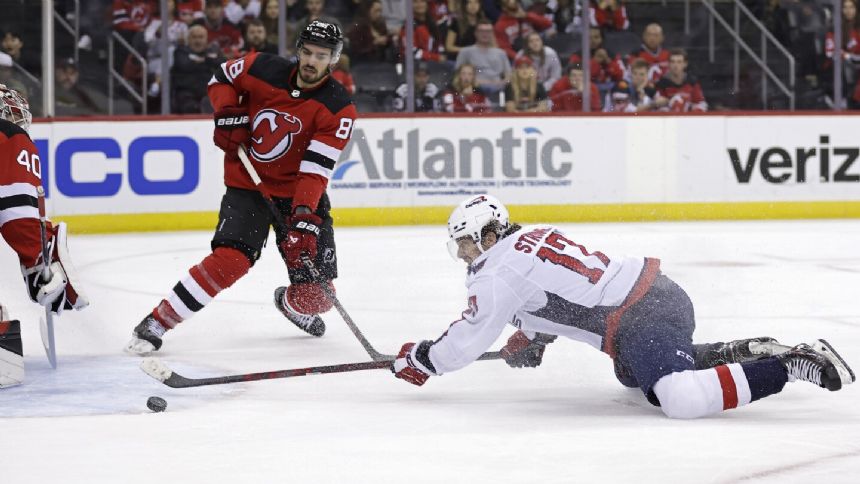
<point>157,166</point>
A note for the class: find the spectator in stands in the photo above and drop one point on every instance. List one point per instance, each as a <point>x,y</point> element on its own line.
<point>369,40</point>
<point>221,32</point>
<point>524,94</point>
<point>341,73</point>
<point>608,15</point>
<point>491,9</point>
<point>177,31</point>
<point>619,99</point>
<point>652,51</point>
<point>545,59</point>
<point>269,17</point>
<point>13,45</point>
<point>239,11</point>
<point>189,11</point>
<point>425,36</point>
<point>461,32</point>
<point>642,90</point>
<point>72,99</point>
<point>543,8</point>
<point>566,94</point>
<point>9,77</point>
<point>492,68</point>
<point>514,24</point>
<point>255,38</point>
<point>132,16</point>
<point>678,91</point>
<point>567,17</point>
<point>850,54</point>
<point>426,93</point>
<point>464,96</point>
<point>394,13</point>
<point>193,66</point>
<point>606,69</point>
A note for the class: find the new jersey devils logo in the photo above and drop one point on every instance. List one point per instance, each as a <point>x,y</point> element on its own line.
<point>272,134</point>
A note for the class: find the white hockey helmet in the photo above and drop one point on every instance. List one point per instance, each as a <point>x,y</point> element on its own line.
<point>471,216</point>
<point>14,108</point>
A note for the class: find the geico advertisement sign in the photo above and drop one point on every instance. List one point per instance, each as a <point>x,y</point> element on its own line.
<point>134,166</point>
<point>410,160</point>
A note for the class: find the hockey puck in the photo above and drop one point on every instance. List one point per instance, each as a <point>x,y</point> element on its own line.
<point>156,404</point>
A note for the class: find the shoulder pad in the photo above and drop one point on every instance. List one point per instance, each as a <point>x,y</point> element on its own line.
<point>333,96</point>
<point>273,69</point>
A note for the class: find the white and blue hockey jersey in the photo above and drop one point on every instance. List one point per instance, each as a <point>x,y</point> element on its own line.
<point>539,280</point>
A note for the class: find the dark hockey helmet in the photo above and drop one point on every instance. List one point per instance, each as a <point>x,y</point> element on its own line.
<point>14,108</point>
<point>323,34</point>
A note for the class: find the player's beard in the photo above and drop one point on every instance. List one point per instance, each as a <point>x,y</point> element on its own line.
<point>311,79</point>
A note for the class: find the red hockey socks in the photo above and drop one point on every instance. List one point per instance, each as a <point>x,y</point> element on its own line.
<point>218,271</point>
<point>309,298</point>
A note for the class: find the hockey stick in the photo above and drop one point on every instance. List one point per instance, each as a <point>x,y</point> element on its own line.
<point>157,369</point>
<point>46,325</point>
<point>374,355</point>
<point>161,372</point>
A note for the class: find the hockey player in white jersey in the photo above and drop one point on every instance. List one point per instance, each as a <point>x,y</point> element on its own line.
<point>541,281</point>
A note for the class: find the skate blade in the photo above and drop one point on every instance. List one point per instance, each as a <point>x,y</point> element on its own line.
<point>846,374</point>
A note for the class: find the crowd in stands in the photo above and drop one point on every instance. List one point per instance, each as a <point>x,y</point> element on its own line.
<point>470,55</point>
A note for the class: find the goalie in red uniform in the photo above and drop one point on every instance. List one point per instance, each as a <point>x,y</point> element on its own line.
<point>20,177</point>
<point>295,120</point>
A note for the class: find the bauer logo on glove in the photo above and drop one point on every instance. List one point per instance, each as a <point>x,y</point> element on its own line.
<point>233,121</point>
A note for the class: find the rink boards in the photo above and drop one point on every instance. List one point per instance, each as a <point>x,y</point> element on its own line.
<point>165,174</point>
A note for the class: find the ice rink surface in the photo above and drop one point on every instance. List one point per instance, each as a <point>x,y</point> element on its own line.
<point>567,421</point>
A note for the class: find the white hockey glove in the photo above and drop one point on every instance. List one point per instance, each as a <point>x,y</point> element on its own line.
<point>60,290</point>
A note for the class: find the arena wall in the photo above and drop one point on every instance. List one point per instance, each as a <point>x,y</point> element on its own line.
<point>164,173</point>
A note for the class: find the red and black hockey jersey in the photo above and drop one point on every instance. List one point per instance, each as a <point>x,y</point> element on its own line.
<point>684,96</point>
<point>658,61</point>
<point>296,135</point>
<point>608,18</point>
<point>20,175</point>
<point>133,15</point>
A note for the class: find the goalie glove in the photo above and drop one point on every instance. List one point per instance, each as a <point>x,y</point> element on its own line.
<point>413,363</point>
<point>60,290</point>
<point>520,351</point>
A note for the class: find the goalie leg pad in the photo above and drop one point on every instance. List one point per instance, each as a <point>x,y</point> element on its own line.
<point>11,354</point>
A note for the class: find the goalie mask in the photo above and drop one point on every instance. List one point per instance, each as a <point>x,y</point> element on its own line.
<point>471,216</point>
<point>14,108</point>
<point>323,34</point>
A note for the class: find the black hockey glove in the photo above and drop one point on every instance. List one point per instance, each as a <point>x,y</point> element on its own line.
<point>520,351</point>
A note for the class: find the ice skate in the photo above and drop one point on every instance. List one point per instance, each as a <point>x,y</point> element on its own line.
<point>806,364</point>
<point>146,337</point>
<point>309,323</point>
<point>846,374</point>
<point>738,351</point>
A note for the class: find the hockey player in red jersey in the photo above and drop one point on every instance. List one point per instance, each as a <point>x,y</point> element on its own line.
<point>540,281</point>
<point>295,120</point>
<point>20,177</point>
